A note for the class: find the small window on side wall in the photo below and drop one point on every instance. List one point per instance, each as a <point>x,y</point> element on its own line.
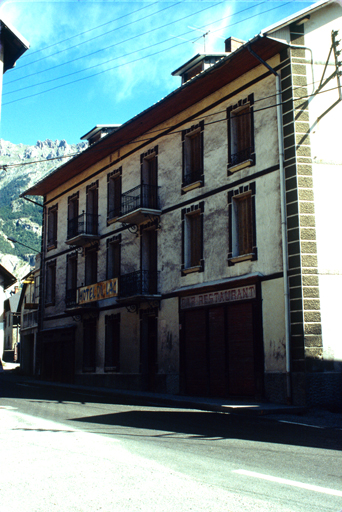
<point>241,152</point>
<point>114,195</point>
<point>192,239</point>
<point>192,140</point>
<point>50,291</point>
<point>242,230</point>
<point>52,227</point>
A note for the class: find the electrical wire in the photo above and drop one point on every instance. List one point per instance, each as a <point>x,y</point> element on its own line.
<point>120,65</point>
<point>173,132</point>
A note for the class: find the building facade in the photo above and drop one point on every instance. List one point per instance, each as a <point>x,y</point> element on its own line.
<point>182,252</point>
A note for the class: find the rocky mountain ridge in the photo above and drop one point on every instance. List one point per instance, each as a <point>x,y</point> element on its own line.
<point>19,218</point>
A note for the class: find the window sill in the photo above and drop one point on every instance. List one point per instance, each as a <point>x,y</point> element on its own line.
<point>191,270</point>
<point>241,165</point>
<point>192,186</point>
<point>242,257</point>
<point>112,220</point>
<point>51,246</point>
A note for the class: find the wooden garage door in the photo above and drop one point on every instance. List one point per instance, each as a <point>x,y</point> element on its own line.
<point>217,352</point>
<point>241,350</point>
<point>196,367</point>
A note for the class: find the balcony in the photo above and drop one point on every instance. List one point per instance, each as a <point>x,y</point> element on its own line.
<point>83,229</point>
<point>138,203</point>
<point>139,286</point>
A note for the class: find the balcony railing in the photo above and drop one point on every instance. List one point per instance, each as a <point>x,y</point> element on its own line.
<point>142,196</point>
<point>70,298</point>
<point>139,283</point>
<point>30,320</point>
<point>241,156</point>
<point>85,224</point>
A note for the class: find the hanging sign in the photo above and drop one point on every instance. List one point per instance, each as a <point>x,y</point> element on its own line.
<point>98,291</point>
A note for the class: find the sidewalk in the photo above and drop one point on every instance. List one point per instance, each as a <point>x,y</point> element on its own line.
<point>315,417</point>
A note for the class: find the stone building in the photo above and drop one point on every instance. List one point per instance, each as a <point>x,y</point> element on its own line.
<point>189,249</point>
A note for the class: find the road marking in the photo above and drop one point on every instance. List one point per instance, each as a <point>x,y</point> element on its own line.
<point>285,481</point>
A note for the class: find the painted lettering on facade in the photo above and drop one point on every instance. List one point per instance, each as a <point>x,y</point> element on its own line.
<point>98,291</point>
<point>220,297</point>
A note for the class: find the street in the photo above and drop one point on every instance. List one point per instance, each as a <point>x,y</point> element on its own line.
<point>70,450</point>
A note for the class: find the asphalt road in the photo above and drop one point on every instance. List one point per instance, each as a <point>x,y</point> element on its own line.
<point>65,450</point>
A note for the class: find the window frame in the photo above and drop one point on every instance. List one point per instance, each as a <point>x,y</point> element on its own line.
<point>73,213</point>
<point>194,178</point>
<point>113,244</point>
<point>235,199</point>
<point>50,283</point>
<point>51,242</point>
<point>90,254</point>
<point>189,225</point>
<point>114,191</point>
<point>149,178</point>
<point>247,159</point>
<point>72,260</point>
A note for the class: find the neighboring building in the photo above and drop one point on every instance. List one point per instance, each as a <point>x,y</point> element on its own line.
<point>6,281</point>
<point>189,251</point>
<point>11,326</point>
<point>28,310</point>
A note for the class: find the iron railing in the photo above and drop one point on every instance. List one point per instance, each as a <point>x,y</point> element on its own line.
<point>84,224</point>
<point>142,196</point>
<point>141,282</point>
<point>241,156</point>
<point>70,297</point>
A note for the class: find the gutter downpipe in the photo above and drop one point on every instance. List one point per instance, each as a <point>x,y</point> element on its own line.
<point>283,222</point>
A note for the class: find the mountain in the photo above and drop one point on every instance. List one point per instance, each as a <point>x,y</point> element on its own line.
<point>19,218</point>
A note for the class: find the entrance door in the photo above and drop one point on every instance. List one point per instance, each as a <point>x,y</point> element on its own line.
<point>148,357</point>
<point>217,352</point>
<point>241,350</point>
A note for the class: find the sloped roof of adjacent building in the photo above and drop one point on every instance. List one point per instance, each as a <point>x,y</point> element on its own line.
<point>8,278</point>
<point>14,44</point>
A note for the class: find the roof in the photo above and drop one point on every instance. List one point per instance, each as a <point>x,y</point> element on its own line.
<point>9,279</point>
<point>298,15</point>
<point>226,70</point>
<point>14,44</point>
<point>195,60</point>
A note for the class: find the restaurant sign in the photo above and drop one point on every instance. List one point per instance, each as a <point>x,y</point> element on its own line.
<point>220,297</point>
<point>98,291</point>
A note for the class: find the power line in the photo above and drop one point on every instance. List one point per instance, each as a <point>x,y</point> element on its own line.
<point>87,41</point>
<point>123,64</point>
<point>5,166</point>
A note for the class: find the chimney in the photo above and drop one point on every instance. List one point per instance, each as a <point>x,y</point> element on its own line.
<point>232,44</point>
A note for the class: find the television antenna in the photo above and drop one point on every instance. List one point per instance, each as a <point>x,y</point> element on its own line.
<point>203,35</point>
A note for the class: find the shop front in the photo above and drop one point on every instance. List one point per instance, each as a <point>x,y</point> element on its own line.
<point>221,351</point>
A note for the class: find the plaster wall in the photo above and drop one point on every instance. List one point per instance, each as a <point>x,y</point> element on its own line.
<point>273,313</point>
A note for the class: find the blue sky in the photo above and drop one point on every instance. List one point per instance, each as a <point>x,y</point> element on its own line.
<point>99,62</point>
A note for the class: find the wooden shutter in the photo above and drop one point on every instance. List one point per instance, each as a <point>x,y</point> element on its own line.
<point>243,129</point>
<point>245,224</point>
<point>195,239</point>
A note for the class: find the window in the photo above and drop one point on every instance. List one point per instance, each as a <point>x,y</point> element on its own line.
<point>52,227</point>
<point>114,194</point>
<point>192,140</point>
<point>89,345</point>
<point>112,343</point>
<point>241,135</point>
<point>50,292</point>
<point>242,236</point>
<point>149,177</point>
<point>149,265</point>
<point>91,266</point>
<point>73,215</point>
<point>92,209</point>
<point>71,280</point>
<point>192,238</point>
<point>113,257</point>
